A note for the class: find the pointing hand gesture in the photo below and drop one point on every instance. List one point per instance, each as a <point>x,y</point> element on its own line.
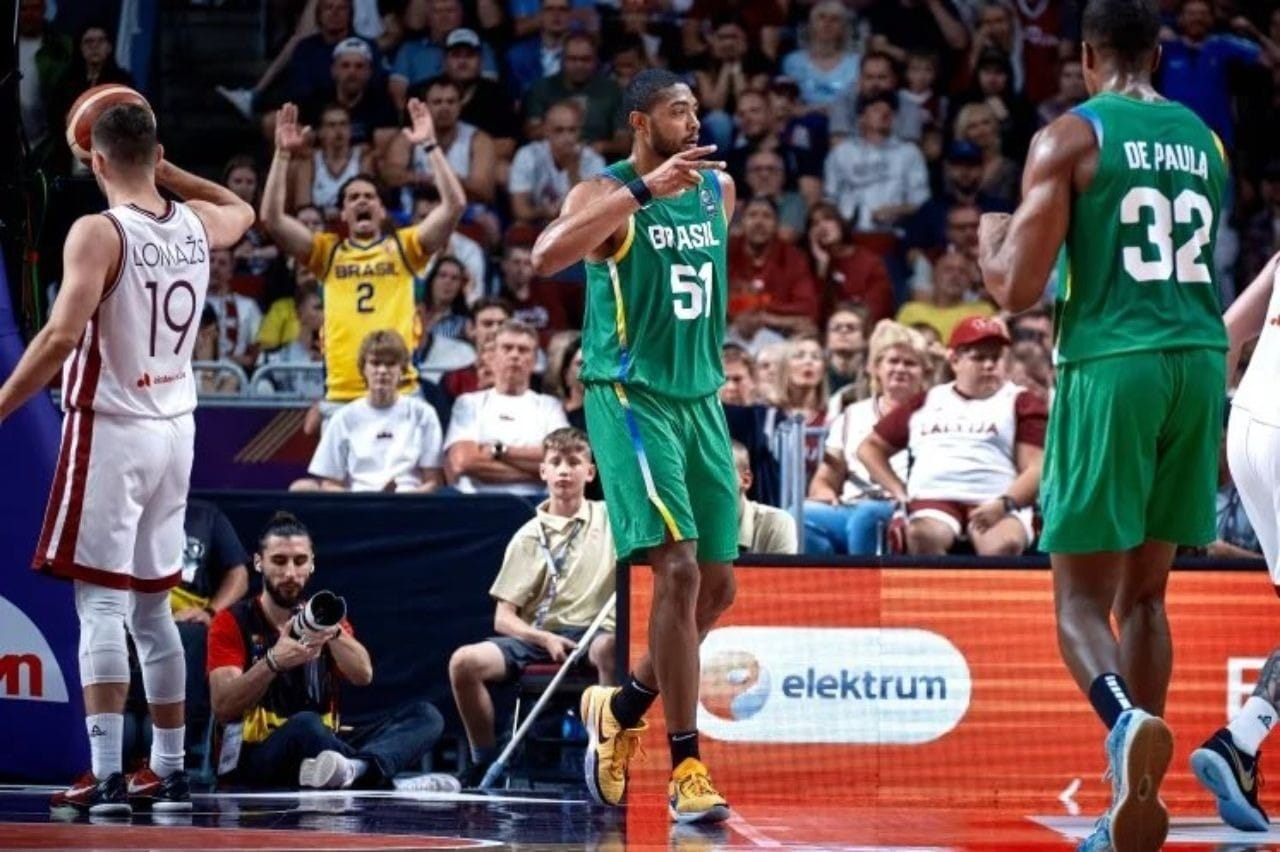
<point>681,172</point>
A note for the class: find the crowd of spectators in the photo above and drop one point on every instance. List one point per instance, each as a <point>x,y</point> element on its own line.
<point>866,137</point>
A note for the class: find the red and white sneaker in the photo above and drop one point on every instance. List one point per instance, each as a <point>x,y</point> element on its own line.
<point>148,791</point>
<point>88,795</point>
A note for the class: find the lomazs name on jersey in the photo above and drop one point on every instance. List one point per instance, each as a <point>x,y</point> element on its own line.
<point>188,252</point>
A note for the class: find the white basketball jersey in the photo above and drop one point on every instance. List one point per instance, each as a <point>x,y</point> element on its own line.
<point>963,449</point>
<point>134,359</point>
<point>1257,392</point>
<point>325,184</point>
<point>458,154</point>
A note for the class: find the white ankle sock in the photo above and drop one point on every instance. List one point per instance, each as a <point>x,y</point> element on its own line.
<point>355,768</point>
<point>1252,724</point>
<point>167,750</point>
<point>106,738</point>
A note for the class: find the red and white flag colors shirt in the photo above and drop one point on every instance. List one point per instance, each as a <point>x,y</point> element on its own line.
<point>963,449</point>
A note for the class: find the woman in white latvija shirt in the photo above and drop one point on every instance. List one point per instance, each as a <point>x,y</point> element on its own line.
<point>845,508</point>
<point>382,441</point>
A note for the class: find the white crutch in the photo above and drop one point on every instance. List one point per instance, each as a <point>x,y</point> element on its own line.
<point>500,765</point>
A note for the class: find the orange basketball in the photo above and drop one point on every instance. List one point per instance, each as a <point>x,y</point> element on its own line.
<point>85,111</point>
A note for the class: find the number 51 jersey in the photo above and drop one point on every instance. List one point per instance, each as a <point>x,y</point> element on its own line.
<point>1137,273</point>
<point>134,359</point>
<point>656,310</point>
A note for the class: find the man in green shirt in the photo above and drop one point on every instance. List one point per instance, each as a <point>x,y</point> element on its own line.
<point>1129,185</point>
<point>653,230</point>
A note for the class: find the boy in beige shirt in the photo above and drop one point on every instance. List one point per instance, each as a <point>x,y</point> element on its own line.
<point>556,576</point>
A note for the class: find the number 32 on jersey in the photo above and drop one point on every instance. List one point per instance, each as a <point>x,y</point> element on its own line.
<point>1185,265</point>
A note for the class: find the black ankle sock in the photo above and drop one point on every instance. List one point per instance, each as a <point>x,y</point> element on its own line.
<point>630,703</point>
<point>684,744</point>
<point>1109,695</point>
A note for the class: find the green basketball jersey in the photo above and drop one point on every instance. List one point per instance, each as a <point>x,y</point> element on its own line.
<point>1137,271</point>
<point>655,310</point>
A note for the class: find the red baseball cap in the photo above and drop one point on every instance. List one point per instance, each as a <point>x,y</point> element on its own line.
<point>971,330</point>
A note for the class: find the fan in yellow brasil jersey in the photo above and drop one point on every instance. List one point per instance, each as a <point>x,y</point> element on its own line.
<point>367,278</point>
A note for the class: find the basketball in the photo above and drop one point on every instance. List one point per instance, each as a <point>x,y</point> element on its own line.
<point>85,111</point>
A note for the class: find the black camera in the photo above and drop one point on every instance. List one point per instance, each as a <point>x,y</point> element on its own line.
<point>320,614</point>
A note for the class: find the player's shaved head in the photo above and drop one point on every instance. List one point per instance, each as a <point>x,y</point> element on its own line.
<point>1130,29</point>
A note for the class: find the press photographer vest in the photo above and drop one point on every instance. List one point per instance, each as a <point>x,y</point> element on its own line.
<point>312,686</point>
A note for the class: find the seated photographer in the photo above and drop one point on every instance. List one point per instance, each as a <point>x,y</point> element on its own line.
<point>275,663</point>
<point>383,441</point>
<point>557,574</point>
<point>976,446</point>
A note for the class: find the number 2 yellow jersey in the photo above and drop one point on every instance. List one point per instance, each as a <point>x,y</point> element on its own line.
<point>367,287</point>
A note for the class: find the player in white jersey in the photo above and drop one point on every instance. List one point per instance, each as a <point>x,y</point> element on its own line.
<point>1227,763</point>
<point>123,327</point>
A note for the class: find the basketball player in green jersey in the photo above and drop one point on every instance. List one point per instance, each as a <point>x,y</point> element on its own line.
<point>1130,185</point>
<point>653,230</point>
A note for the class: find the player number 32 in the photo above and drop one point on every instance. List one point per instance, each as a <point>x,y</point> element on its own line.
<point>692,290</point>
<point>1183,210</point>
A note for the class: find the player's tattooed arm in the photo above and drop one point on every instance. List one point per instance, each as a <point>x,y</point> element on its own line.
<point>1269,681</point>
<point>1248,314</point>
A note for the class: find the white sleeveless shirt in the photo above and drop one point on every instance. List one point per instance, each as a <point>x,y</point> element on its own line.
<point>1257,393</point>
<point>458,154</point>
<point>134,359</point>
<point>325,184</point>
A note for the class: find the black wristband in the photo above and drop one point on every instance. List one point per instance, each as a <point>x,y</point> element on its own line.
<point>640,191</point>
<point>1010,505</point>
<point>271,661</point>
<point>428,147</point>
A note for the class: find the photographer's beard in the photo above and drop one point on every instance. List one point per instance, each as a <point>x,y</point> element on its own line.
<point>285,596</point>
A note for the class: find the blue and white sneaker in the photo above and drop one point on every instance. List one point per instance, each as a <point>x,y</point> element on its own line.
<point>1139,749</point>
<point>1100,840</point>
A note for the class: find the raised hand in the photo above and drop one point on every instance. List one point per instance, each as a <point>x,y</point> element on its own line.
<point>290,137</point>
<point>681,172</point>
<point>422,127</point>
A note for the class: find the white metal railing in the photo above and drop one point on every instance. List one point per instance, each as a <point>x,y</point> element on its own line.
<point>288,381</point>
<point>788,447</point>
<point>222,368</point>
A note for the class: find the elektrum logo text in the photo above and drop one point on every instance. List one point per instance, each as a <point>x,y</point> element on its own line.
<point>831,685</point>
<point>28,669</point>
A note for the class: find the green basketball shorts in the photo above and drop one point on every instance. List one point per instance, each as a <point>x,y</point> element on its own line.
<point>1131,452</point>
<point>667,470</point>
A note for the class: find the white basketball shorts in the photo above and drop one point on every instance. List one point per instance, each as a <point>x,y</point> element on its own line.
<point>1253,453</point>
<point>119,498</point>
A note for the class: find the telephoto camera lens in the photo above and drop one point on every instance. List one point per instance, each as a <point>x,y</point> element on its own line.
<point>322,612</point>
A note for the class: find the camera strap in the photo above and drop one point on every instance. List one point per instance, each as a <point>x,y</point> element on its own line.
<point>555,559</point>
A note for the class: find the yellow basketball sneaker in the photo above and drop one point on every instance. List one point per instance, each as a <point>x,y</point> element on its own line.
<point>610,746</point>
<point>691,797</point>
